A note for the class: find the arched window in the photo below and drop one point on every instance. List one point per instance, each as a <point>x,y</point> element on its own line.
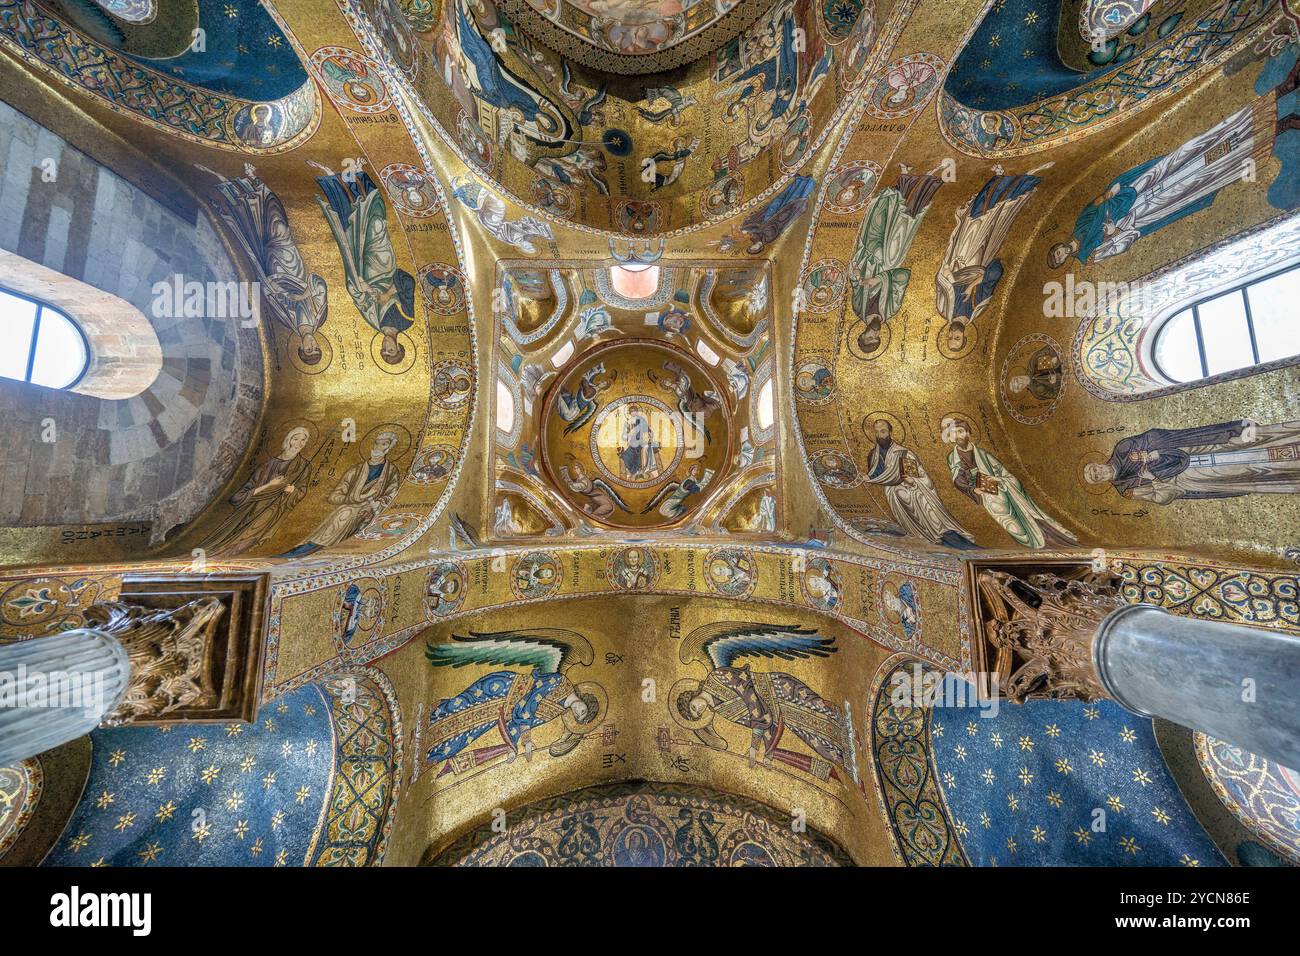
<point>38,343</point>
<point>1248,325</point>
<point>637,281</point>
<point>60,332</point>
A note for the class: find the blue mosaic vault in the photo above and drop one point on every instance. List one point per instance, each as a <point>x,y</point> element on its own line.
<point>207,795</point>
<point>1033,785</point>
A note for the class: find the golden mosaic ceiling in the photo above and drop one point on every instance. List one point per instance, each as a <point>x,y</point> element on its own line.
<point>551,344</point>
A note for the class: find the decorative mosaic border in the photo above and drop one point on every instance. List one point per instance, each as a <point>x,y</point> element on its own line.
<point>765,557</point>
<point>1236,595</point>
<point>605,797</point>
<point>1249,787</point>
<point>904,735</point>
<point>1159,72</point>
<point>151,98</point>
<point>351,767</point>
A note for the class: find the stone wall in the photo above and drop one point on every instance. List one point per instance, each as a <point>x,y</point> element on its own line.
<point>163,454</point>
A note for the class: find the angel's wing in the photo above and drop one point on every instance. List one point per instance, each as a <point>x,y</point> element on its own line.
<point>566,79</point>
<point>664,492</point>
<point>718,645</point>
<point>605,486</point>
<point>550,650</point>
<point>663,92</point>
<point>594,100</point>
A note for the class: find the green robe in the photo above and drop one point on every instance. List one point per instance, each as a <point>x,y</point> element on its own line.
<point>876,270</point>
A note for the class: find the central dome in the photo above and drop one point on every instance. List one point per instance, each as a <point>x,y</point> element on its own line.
<point>659,438</point>
<point>633,36</point>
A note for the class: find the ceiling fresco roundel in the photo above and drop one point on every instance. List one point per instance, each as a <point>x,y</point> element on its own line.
<point>635,433</point>
<point>634,36</point>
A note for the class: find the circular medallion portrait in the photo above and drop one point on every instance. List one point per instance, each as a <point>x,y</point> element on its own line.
<point>535,575</point>
<point>453,383</point>
<point>835,469</point>
<point>900,607</point>
<point>1033,379</point>
<point>444,588</point>
<point>472,140</point>
<point>390,527</point>
<point>731,572</point>
<point>820,584</point>
<point>906,86</point>
<point>410,189</point>
<point>814,383</point>
<point>432,464</point>
<point>359,617</point>
<point>353,81</point>
<point>850,186</point>
<point>823,286</point>
<point>443,287</point>
<point>632,569</point>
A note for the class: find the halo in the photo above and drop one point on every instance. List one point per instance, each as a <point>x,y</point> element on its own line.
<point>851,341</point>
<point>401,448</point>
<point>1047,256</point>
<point>462,368</point>
<point>810,397</point>
<point>327,354</point>
<point>422,459</point>
<point>680,687</point>
<point>900,431</point>
<point>1027,409</point>
<point>387,526</point>
<point>868,185</point>
<point>458,303</point>
<point>408,360</point>
<point>602,708</point>
<point>941,341</point>
<point>649,567</point>
<point>970,424</point>
<point>722,555</point>
<point>1092,458</point>
<point>275,440</point>
<point>836,296</point>
<point>838,453</point>
<point>892,618</point>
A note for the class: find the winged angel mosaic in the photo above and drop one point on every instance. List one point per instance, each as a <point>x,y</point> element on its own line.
<point>770,704</point>
<point>512,703</point>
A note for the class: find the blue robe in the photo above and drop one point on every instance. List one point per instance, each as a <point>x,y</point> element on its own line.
<point>1089,226</point>
<point>766,225</point>
<point>493,84</point>
<point>345,198</point>
<point>493,687</point>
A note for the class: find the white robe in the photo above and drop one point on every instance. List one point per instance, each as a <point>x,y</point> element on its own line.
<point>915,504</point>
<point>1200,167</point>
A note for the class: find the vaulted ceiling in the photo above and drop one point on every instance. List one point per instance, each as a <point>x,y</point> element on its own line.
<point>764,311</point>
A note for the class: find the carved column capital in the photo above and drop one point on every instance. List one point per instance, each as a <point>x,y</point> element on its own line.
<point>1043,627</point>
<point>170,651</point>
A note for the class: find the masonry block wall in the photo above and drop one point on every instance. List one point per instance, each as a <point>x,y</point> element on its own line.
<point>162,455</point>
